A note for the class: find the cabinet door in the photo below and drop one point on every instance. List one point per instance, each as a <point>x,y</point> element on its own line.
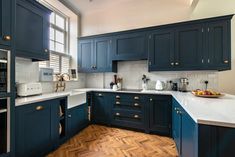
<point>161,50</point>
<point>188,48</point>
<point>102,55</point>
<point>130,46</point>
<point>189,136</point>
<point>5,22</point>
<point>32,31</point>
<point>33,129</point>
<point>160,115</point>
<point>85,56</point>
<point>77,118</point>
<point>100,109</point>
<point>219,45</point>
<point>176,125</point>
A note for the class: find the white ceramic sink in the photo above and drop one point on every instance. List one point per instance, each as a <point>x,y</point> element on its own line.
<point>76,98</point>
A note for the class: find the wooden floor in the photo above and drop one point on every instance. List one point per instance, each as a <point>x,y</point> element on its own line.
<point>101,141</point>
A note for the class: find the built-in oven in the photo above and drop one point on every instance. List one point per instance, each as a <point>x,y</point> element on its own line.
<point>4,125</point>
<point>5,71</point>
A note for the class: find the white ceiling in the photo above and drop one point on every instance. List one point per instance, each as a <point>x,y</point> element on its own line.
<point>86,6</point>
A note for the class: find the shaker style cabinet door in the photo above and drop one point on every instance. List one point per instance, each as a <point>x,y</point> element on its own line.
<point>130,46</point>
<point>5,22</point>
<point>85,56</point>
<point>32,30</point>
<point>188,47</point>
<point>219,45</point>
<point>161,50</point>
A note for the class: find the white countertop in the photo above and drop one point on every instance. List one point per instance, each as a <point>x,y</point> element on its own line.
<point>219,111</point>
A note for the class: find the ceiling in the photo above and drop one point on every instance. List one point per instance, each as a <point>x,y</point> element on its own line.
<point>86,6</point>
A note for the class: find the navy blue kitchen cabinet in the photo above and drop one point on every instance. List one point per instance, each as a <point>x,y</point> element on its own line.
<point>32,30</point>
<point>160,115</point>
<point>184,132</point>
<point>37,127</point>
<point>216,141</point>
<point>85,55</point>
<point>218,55</point>
<point>161,50</point>
<point>130,46</point>
<point>77,119</point>
<point>5,22</point>
<point>100,108</point>
<point>33,129</point>
<point>94,55</point>
<point>188,47</point>
<point>128,111</point>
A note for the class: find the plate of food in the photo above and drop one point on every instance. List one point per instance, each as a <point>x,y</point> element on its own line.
<point>207,93</point>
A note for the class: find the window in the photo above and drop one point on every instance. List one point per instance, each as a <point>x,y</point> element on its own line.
<point>59,35</point>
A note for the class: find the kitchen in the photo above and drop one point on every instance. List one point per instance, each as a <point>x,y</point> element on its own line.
<point>117,78</point>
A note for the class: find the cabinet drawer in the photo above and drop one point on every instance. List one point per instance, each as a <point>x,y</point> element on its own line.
<point>128,105</point>
<point>130,119</point>
<point>128,97</point>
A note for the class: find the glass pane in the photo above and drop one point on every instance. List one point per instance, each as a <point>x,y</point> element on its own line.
<point>59,37</point>
<point>59,47</point>
<point>52,18</point>
<point>52,45</point>
<point>60,21</point>
<point>52,33</point>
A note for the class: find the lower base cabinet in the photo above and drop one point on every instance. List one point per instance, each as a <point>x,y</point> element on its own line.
<point>37,128</point>
<point>77,119</point>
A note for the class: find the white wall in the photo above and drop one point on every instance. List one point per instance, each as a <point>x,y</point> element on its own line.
<point>130,14</point>
<point>210,8</point>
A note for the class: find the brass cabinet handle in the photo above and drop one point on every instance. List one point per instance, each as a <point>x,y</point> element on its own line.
<point>46,50</point>
<point>100,94</point>
<point>136,104</point>
<point>136,116</point>
<point>7,37</point>
<point>118,97</point>
<point>176,63</point>
<point>226,61</point>
<point>136,98</point>
<point>39,108</point>
<point>150,99</point>
<point>118,103</point>
<point>69,115</point>
<point>172,64</point>
<point>176,109</point>
<point>117,114</point>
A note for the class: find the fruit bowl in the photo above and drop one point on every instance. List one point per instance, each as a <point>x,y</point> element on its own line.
<point>206,93</point>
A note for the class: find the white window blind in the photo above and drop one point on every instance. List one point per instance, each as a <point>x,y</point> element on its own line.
<point>55,62</point>
<point>65,64</point>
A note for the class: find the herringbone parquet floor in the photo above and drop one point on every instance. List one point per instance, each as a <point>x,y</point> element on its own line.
<point>101,141</point>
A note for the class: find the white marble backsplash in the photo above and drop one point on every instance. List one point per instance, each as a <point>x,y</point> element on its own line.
<point>132,71</point>
<point>28,71</point>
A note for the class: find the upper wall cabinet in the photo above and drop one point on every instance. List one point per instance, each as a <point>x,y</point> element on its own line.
<point>32,30</point>
<point>5,22</point>
<point>130,46</point>
<point>94,55</point>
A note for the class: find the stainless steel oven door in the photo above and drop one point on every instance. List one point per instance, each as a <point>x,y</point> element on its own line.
<point>5,71</point>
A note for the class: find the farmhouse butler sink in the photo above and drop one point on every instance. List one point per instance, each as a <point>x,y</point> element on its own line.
<point>76,98</point>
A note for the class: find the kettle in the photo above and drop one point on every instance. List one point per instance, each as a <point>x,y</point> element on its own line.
<point>159,85</point>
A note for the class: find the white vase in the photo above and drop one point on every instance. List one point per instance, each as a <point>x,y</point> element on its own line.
<point>144,86</point>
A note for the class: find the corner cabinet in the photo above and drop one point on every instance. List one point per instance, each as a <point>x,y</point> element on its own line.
<point>94,55</point>
<point>5,22</point>
<point>32,30</point>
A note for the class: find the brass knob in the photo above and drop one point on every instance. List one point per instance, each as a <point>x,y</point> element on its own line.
<point>46,50</point>
<point>118,97</point>
<point>136,104</point>
<point>150,99</point>
<point>172,63</point>
<point>38,108</point>
<point>226,61</point>
<point>69,115</point>
<point>7,37</point>
<point>117,114</point>
<point>176,63</point>
<point>118,103</point>
<point>100,94</point>
<point>136,116</point>
<point>136,98</point>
